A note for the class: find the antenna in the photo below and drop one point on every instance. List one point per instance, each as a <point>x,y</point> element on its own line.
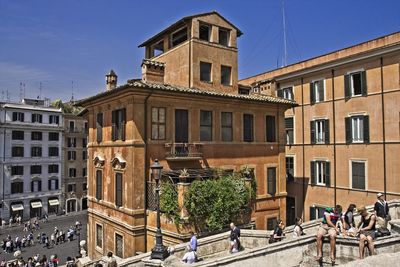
<point>7,96</point>
<point>2,95</point>
<point>40,90</point>
<point>72,91</point>
<point>21,96</point>
<point>284,34</point>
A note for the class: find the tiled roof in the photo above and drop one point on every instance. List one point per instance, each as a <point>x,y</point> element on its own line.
<point>138,83</point>
<point>153,63</point>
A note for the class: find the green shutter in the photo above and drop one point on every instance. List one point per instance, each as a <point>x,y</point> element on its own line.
<point>312,132</point>
<point>348,130</point>
<point>327,174</point>
<point>312,93</point>
<point>312,213</point>
<point>321,90</point>
<point>280,93</point>
<point>312,173</point>
<point>347,86</point>
<point>363,83</point>
<point>123,124</point>
<point>326,131</point>
<point>366,129</point>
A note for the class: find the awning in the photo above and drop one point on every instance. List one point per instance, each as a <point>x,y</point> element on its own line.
<point>36,204</point>
<point>54,202</point>
<point>17,207</point>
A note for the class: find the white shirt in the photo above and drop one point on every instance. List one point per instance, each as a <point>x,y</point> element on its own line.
<point>189,257</point>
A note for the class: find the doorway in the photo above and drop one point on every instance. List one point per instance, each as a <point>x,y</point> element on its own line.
<point>181,132</point>
<point>290,210</point>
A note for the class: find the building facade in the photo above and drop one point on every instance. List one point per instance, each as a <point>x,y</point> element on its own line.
<point>31,134</point>
<point>343,138</point>
<point>189,112</point>
<point>74,176</point>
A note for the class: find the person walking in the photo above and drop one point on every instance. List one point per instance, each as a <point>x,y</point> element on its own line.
<point>111,261</point>
<point>381,209</point>
<point>328,226</point>
<point>235,235</point>
<point>366,229</point>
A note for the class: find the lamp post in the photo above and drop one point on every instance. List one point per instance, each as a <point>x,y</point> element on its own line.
<point>159,251</point>
<point>78,234</point>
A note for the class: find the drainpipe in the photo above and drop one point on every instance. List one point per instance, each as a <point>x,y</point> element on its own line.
<point>334,137</point>
<point>383,131</point>
<point>4,162</point>
<point>146,166</point>
<point>303,147</point>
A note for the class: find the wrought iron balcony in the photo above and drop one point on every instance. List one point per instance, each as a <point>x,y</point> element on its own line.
<point>183,151</point>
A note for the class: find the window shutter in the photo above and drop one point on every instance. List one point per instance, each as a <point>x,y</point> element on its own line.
<point>14,116</point>
<point>312,213</point>
<point>312,131</point>
<point>363,83</point>
<point>321,90</point>
<point>280,93</point>
<point>123,124</point>
<point>32,186</point>
<point>49,185</point>
<point>40,186</point>
<point>22,117</point>
<point>99,127</point>
<point>113,123</point>
<point>366,129</point>
<point>56,184</point>
<point>312,173</point>
<point>326,131</point>
<point>271,172</point>
<point>33,118</point>
<point>347,86</point>
<point>57,119</point>
<point>312,93</point>
<point>40,118</point>
<point>327,174</point>
<point>348,130</point>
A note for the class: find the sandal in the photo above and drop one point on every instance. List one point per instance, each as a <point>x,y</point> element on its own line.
<point>333,261</point>
<point>318,258</point>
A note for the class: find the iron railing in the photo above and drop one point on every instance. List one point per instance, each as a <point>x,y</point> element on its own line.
<point>183,150</point>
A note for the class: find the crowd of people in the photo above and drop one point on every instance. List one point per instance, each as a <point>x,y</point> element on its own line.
<point>334,223</point>
<point>29,238</point>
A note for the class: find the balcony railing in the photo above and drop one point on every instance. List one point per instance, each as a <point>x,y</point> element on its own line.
<point>178,151</point>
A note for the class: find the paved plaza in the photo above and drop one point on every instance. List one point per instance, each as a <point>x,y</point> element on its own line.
<point>62,250</point>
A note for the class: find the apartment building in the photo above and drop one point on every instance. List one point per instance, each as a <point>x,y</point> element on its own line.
<point>74,177</point>
<point>189,112</point>
<point>343,138</point>
<point>31,134</point>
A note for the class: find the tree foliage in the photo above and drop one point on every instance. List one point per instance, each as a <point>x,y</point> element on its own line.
<point>169,201</point>
<point>212,204</point>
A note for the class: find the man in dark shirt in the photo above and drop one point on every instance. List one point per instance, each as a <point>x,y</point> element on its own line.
<point>381,210</point>
<point>235,235</point>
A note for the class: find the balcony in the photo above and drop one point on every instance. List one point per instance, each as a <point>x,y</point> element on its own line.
<point>183,151</point>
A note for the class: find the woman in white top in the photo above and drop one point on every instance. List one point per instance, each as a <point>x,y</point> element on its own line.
<point>298,230</point>
<point>190,256</point>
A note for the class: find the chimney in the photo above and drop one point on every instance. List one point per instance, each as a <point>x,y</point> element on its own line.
<point>111,80</point>
<point>153,71</point>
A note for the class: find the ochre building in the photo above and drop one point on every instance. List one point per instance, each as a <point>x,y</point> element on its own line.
<point>189,112</point>
<point>343,139</point>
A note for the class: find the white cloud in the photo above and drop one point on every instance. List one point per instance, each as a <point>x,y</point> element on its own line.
<point>11,72</point>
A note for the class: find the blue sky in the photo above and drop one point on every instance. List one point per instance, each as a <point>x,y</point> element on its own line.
<point>53,43</point>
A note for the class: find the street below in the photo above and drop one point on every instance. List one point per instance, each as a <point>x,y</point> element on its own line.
<point>63,250</point>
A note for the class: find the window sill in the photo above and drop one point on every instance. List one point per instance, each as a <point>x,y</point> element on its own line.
<point>208,82</point>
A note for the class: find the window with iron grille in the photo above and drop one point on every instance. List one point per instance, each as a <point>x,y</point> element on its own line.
<point>53,136</point>
<point>17,151</point>
<point>53,151</point>
<point>53,168</point>
<point>17,170</point>
<point>36,151</point>
<point>17,187</point>
<point>158,116</point>
<point>17,135</point>
<point>36,169</point>
<point>205,125</point>
<point>36,136</point>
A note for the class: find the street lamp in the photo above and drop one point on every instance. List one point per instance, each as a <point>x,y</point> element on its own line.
<point>159,251</point>
<point>78,234</point>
